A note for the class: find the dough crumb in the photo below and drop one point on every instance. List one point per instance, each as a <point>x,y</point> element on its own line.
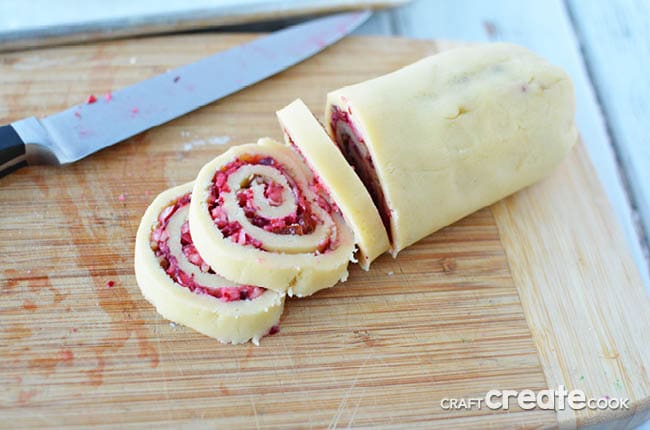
<point>219,140</point>
<point>215,140</point>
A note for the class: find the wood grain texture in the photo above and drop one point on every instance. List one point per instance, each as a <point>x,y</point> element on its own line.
<point>585,316</point>
<point>453,316</point>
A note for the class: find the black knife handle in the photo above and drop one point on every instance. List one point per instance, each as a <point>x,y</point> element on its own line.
<point>12,151</point>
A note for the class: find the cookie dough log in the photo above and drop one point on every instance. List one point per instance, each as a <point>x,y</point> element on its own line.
<point>333,174</point>
<point>443,137</point>
<point>257,218</point>
<point>172,276</point>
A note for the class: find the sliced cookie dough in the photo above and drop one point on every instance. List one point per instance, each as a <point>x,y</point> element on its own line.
<point>305,135</point>
<point>257,218</point>
<point>447,135</point>
<point>174,277</point>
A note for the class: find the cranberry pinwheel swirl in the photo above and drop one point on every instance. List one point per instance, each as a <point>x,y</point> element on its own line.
<point>174,277</point>
<point>258,217</point>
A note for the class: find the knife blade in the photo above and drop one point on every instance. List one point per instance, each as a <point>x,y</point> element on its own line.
<point>70,135</point>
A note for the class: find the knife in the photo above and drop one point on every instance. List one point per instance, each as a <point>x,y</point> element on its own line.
<point>81,130</point>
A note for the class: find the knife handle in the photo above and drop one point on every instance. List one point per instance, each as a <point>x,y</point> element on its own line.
<point>12,151</point>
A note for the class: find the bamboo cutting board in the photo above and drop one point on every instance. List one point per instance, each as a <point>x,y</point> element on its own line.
<point>536,291</point>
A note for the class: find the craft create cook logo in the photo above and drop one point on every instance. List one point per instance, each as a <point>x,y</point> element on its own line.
<point>558,400</point>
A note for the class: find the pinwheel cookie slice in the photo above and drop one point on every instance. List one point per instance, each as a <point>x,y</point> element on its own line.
<point>335,177</point>
<point>173,276</point>
<point>452,133</point>
<point>256,218</point>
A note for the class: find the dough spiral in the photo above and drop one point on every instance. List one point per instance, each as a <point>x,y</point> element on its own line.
<point>259,217</point>
<point>173,277</point>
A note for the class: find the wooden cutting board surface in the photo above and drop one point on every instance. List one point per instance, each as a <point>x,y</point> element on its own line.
<point>536,291</point>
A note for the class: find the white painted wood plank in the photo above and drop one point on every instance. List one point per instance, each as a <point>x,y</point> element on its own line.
<point>38,23</point>
<point>545,27</point>
<point>38,14</point>
<point>615,38</point>
<point>378,24</point>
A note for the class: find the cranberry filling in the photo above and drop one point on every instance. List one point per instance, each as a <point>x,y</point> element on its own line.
<point>301,222</point>
<point>273,192</point>
<point>189,250</point>
<point>353,149</point>
<point>325,200</point>
<point>160,246</point>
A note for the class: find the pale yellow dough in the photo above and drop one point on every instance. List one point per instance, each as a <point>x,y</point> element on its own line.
<point>289,263</point>
<point>229,322</point>
<point>304,131</point>
<point>460,130</point>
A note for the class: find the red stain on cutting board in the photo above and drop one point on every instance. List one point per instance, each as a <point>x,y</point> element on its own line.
<point>90,228</point>
<point>116,302</point>
<point>17,332</point>
<point>25,396</point>
<point>119,306</point>
<point>47,365</point>
<point>36,284</point>
<point>28,305</point>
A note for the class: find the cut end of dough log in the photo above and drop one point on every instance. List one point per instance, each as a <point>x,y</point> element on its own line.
<point>452,133</point>
<point>174,278</point>
<point>304,134</point>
